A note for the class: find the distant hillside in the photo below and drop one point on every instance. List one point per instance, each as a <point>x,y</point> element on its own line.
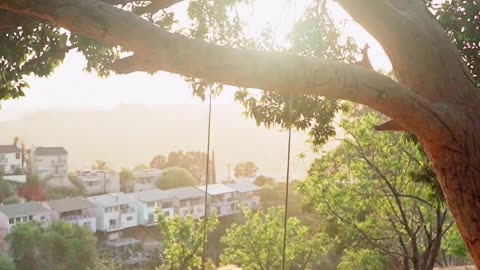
<point>132,134</point>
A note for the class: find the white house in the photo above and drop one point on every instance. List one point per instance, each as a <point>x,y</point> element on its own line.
<point>13,214</point>
<point>115,211</point>
<point>189,201</point>
<point>223,200</point>
<point>248,194</point>
<point>51,164</point>
<point>10,160</point>
<point>153,201</point>
<point>76,210</point>
<point>98,181</point>
<point>146,179</point>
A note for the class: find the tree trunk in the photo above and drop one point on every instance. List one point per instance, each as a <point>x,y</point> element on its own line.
<point>459,175</point>
<point>435,98</point>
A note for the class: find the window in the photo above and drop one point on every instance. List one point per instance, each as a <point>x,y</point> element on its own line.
<point>112,222</point>
<point>167,204</point>
<point>17,220</point>
<point>24,219</point>
<point>150,204</point>
<point>11,221</point>
<point>129,218</point>
<point>30,217</point>
<point>17,155</point>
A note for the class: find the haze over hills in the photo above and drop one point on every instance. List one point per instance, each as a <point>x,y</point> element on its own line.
<point>129,135</point>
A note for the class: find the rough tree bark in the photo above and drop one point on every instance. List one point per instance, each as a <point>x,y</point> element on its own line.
<point>435,98</point>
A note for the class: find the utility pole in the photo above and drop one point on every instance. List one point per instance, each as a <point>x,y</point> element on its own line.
<point>228,166</point>
<point>104,182</point>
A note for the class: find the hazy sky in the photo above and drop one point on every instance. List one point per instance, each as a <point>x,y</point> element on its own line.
<point>70,87</point>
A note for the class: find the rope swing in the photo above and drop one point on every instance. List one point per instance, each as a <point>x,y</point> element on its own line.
<point>287,182</point>
<point>207,176</point>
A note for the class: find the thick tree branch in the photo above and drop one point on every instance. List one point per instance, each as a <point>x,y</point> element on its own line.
<point>420,67</point>
<point>157,5</point>
<point>389,126</point>
<point>244,68</point>
<point>10,20</point>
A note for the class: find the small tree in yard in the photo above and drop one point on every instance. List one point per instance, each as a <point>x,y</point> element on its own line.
<point>258,243</point>
<point>176,177</point>
<point>60,246</point>
<point>433,48</point>
<point>183,241</point>
<point>366,185</point>
<point>245,169</point>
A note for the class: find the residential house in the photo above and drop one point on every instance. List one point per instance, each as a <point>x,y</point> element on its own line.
<point>146,179</point>
<point>50,164</point>
<point>98,181</point>
<point>76,210</point>
<point>11,161</point>
<point>248,194</point>
<point>223,200</point>
<point>14,214</point>
<point>153,202</point>
<point>189,201</point>
<point>115,211</point>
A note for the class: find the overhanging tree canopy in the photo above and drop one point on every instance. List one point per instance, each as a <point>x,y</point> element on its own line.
<point>434,58</point>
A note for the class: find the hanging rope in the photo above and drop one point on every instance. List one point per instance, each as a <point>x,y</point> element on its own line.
<point>207,176</point>
<point>287,182</point>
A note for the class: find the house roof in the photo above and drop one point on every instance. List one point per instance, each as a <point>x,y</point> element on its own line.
<point>148,173</point>
<point>50,151</point>
<point>152,195</point>
<point>244,186</point>
<point>217,189</point>
<point>70,204</point>
<point>9,149</point>
<point>23,209</point>
<point>182,193</point>
<point>112,199</point>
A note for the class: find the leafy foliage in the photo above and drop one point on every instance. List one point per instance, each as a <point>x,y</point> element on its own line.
<point>366,187</point>
<point>60,246</point>
<point>245,169</point>
<point>126,180</point>
<point>102,263</point>
<point>12,200</point>
<point>461,19</point>
<point>176,177</point>
<point>258,243</point>
<point>262,180</point>
<point>6,263</point>
<point>182,241</point>
<point>33,189</point>
<point>362,259</point>
<point>6,190</point>
<point>194,162</point>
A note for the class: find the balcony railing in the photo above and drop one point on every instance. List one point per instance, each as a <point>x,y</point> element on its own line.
<point>77,217</point>
<point>115,226</point>
<point>59,162</point>
<point>127,211</point>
